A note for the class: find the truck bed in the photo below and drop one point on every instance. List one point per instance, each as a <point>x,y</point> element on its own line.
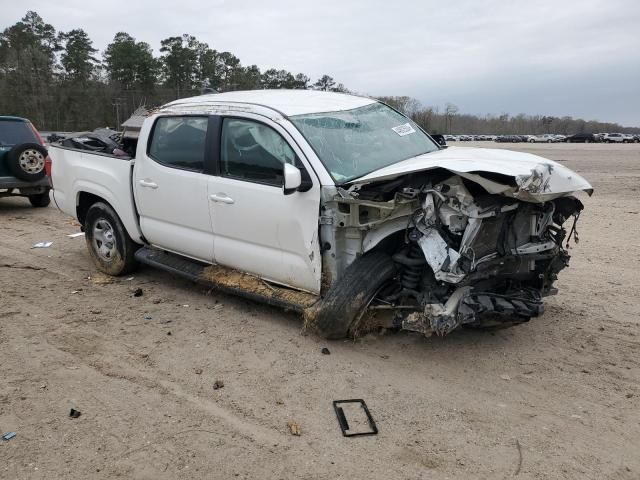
<point>79,172</point>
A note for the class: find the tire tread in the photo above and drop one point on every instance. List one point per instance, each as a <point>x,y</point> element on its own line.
<point>333,316</point>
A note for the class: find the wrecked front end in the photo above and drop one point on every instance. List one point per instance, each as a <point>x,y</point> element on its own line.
<point>464,256</point>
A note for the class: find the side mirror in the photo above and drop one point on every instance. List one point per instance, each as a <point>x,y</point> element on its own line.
<point>292,179</point>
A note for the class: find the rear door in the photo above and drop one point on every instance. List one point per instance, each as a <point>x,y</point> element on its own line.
<point>170,186</point>
<point>258,228</point>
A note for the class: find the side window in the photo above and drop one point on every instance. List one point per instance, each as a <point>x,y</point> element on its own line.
<point>254,152</point>
<point>179,142</point>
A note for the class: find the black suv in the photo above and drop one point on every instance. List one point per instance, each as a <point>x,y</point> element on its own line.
<point>23,162</point>
<point>581,138</point>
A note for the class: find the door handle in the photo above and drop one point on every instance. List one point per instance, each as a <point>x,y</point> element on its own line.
<point>221,198</point>
<point>147,184</point>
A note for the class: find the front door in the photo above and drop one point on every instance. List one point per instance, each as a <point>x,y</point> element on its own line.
<point>171,189</point>
<point>258,229</point>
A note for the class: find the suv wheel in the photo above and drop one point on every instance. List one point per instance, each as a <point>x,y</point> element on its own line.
<point>26,161</point>
<point>40,199</point>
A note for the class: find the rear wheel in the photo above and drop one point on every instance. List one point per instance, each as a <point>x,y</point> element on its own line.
<point>110,246</point>
<point>40,199</point>
<point>340,312</point>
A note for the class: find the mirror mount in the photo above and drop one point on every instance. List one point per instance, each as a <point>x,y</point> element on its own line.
<point>307,183</point>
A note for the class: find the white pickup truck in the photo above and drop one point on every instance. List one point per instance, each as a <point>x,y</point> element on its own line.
<point>333,205</point>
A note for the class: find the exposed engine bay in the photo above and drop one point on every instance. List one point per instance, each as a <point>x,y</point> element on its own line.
<point>464,256</point>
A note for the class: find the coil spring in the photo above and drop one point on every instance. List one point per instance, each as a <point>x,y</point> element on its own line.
<point>411,274</point>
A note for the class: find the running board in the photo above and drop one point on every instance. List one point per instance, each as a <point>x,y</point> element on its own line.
<point>227,280</point>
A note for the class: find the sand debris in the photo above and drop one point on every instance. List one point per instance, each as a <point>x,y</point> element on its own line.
<point>294,428</point>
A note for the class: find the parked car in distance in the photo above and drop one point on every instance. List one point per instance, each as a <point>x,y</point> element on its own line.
<point>328,204</point>
<point>24,161</point>
<point>546,138</point>
<point>509,139</point>
<point>614,138</point>
<point>581,138</point>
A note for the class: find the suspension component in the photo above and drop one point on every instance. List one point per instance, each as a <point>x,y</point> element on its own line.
<point>413,263</point>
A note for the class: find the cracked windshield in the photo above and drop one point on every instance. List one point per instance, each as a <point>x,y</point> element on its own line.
<point>356,142</point>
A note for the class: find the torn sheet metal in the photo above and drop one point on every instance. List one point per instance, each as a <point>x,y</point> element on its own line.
<point>440,257</point>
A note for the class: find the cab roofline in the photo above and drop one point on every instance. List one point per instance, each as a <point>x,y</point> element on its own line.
<point>220,106</point>
<point>285,103</point>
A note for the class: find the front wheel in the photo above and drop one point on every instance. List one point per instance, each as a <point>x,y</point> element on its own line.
<point>110,246</point>
<point>40,200</point>
<point>340,312</point>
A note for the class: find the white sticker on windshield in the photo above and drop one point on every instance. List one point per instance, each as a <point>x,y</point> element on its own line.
<point>403,130</point>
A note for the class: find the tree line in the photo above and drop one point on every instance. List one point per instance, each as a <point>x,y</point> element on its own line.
<point>449,120</point>
<point>60,82</point>
<point>57,80</point>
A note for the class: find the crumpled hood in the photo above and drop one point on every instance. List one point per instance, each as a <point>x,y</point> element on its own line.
<point>534,178</point>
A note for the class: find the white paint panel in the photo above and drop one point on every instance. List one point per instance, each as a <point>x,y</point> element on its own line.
<point>175,214</point>
<point>107,177</point>
<point>263,232</point>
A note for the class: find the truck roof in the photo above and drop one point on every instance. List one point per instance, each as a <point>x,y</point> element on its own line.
<point>286,102</point>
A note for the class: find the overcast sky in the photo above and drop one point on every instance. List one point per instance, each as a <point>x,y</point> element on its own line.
<point>579,57</point>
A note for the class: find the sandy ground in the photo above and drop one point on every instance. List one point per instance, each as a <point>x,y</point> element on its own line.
<point>558,397</point>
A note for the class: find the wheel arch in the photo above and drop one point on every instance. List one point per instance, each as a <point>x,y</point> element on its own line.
<point>86,198</point>
<point>84,202</point>
<point>385,236</point>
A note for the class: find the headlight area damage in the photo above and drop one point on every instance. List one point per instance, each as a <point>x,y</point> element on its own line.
<point>473,248</point>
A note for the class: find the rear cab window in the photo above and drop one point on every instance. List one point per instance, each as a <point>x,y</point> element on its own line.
<point>179,142</point>
<point>15,132</point>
